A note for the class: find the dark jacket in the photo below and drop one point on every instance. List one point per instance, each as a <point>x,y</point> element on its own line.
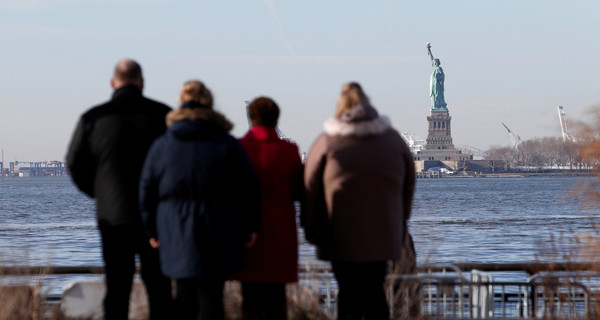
<point>108,149</point>
<point>360,180</point>
<point>274,257</point>
<point>199,196</point>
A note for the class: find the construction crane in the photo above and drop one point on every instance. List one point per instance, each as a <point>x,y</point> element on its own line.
<point>514,138</point>
<point>563,126</point>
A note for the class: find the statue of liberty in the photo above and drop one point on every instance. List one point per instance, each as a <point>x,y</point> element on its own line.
<point>436,86</point>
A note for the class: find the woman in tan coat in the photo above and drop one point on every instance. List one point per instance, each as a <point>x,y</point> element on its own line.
<point>359,180</point>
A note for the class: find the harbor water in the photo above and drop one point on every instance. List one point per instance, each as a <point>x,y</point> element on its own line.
<point>47,221</point>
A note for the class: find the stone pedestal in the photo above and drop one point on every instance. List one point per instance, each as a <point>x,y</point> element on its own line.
<point>439,150</point>
<point>440,134</point>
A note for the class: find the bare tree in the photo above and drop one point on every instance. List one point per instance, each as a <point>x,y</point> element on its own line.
<point>505,154</point>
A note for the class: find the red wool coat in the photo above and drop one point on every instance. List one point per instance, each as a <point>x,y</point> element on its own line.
<point>274,257</point>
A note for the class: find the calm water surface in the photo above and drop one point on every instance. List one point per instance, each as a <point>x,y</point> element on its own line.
<point>498,220</point>
<point>47,221</point>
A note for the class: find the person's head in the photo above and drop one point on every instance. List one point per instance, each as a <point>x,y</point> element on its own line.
<point>263,111</point>
<point>436,62</point>
<point>196,91</point>
<point>352,95</point>
<point>127,72</point>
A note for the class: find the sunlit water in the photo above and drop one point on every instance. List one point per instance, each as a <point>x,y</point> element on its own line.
<point>47,221</point>
<point>499,220</point>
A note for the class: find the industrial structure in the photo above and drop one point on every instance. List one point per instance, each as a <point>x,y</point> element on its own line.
<point>515,139</point>
<point>566,135</point>
<point>34,169</point>
<point>414,143</point>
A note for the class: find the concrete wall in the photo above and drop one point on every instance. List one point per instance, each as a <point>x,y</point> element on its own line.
<point>486,165</point>
<point>424,165</point>
<point>469,165</point>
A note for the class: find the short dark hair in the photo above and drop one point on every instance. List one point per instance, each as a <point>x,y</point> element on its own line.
<point>263,111</point>
<point>128,70</point>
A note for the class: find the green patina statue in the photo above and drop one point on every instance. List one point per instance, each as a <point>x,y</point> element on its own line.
<point>436,86</point>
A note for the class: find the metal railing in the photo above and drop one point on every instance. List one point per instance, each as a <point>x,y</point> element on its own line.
<point>457,291</point>
<point>555,291</point>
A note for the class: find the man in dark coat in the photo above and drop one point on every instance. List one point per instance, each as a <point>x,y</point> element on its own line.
<point>105,158</point>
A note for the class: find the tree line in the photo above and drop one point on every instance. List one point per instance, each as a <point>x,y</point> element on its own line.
<point>544,153</point>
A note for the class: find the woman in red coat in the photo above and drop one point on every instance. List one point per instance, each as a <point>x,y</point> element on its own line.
<point>273,260</point>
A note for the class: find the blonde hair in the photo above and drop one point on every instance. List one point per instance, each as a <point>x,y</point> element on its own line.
<point>352,94</point>
<point>195,90</point>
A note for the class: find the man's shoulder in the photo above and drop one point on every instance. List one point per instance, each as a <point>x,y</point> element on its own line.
<point>113,106</point>
<point>156,105</point>
<point>96,111</point>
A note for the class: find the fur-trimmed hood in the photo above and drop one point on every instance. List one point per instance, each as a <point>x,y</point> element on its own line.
<point>210,115</point>
<point>360,120</point>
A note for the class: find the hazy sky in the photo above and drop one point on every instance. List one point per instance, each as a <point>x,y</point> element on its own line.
<point>505,61</point>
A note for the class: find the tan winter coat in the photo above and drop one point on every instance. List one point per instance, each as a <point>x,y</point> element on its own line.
<point>359,180</point>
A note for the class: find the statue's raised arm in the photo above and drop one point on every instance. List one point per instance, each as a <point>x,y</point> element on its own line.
<point>429,50</point>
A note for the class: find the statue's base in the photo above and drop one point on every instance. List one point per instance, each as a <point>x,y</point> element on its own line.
<point>439,150</point>
<point>440,135</point>
<point>449,158</point>
<point>438,110</point>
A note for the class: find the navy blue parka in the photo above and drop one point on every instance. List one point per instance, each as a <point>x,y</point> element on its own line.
<point>199,195</point>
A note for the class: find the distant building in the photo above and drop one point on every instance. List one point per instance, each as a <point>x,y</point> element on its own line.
<point>414,143</point>
<point>40,168</point>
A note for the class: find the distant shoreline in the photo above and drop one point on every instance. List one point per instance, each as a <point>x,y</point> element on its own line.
<point>429,175</point>
<point>524,174</point>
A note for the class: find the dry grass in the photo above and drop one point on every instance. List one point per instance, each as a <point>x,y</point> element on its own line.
<point>25,302</point>
<point>588,143</point>
<point>569,269</point>
<point>405,292</point>
<point>304,302</point>
<point>22,301</point>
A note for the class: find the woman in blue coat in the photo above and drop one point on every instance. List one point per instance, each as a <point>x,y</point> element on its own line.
<point>199,201</point>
